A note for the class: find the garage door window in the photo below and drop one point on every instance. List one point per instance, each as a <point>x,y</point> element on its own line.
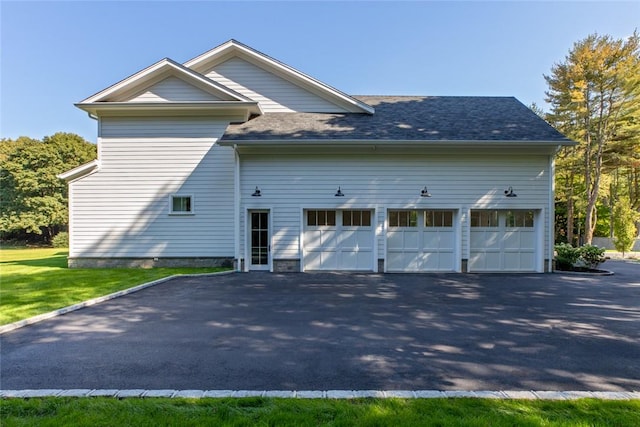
<point>356,218</point>
<point>486,218</point>
<point>520,219</point>
<point>317,218</point>
<point>438,218</point>
<point>403,218</point>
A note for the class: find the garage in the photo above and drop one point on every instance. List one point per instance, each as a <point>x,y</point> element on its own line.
<point>421,240</point>
<point>338,240</point>
<point>502,240</point>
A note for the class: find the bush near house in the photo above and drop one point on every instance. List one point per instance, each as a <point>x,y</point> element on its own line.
<point>569,258</point>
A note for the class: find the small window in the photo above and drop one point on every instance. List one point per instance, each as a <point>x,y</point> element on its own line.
<point>356,218</point>
<point>520,219</point>
<point>484,218</point>
<point>317,218</point>
<point>403,218</point>
<point>181,204</point>
<point>438,218</point>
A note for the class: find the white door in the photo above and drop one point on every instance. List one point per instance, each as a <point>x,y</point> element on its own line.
<point>338,240</point>
<point>419,241</point>
<point>502,240</point>
<point>259,243</point>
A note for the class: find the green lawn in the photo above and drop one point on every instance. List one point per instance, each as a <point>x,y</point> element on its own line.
<point>36,281</point>
<point>315,412</point>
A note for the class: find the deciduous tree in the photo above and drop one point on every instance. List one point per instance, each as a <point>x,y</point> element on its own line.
<point>595,99</point>
<point>32,198</point>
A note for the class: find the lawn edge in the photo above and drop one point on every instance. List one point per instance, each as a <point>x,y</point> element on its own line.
<point>59,312</point>
<point>325,394</point>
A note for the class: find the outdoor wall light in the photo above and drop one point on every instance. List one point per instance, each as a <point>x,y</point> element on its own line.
<point>256,193</point>
<point>339,193</point>
<point>425,192</point>
<point>509,192</point>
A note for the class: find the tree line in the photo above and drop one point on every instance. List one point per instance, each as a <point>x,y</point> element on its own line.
<point>594,99</point>
<point>594,95</point>
<point>33,200</point>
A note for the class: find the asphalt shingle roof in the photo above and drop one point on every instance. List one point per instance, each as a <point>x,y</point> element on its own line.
<point>408,118</point>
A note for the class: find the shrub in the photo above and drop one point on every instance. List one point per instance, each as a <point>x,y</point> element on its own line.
<point>60,240</point>
<point>592,256</point>
<point>566,256</point>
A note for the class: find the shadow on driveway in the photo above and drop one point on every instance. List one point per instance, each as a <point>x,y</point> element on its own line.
<point>292,331</point>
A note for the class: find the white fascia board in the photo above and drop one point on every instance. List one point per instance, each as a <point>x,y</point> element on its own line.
<point>388,143</point>
<point>163,66</point>
<point>281,68</point>
<point>80,171</point>
<point>243,109</point>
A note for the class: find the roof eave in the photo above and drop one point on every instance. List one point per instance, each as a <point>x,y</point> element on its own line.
<point>386,142</point>
<point>216,108</point>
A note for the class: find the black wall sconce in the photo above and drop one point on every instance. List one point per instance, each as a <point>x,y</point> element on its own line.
<point>509,192</point>
<point>339,193</point>
<point>256,193</point>
<point>424,192</point>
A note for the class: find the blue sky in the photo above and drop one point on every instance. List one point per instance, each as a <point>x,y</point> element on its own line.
<point>54,54</point>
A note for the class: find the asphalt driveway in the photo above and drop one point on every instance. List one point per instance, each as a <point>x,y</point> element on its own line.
<point>260,331</point>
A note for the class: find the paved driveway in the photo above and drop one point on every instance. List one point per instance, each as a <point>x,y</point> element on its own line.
<point>344,331</point>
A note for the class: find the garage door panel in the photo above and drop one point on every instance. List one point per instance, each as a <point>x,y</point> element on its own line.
<point>355,261</point>
<point>485,239</point>
<point>340,243</point>
<point>510,244</point>
<point>356,240</point>
<point>312,239</point>
<point>395,240</point>
<point>403,261</point>
<point>410,241</point>
<point>439,240</point>
<point>329,239</point>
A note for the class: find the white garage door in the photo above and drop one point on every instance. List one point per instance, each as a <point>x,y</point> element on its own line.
<point>502,240</point>
<point>421,240</point>
<point>338,240</point>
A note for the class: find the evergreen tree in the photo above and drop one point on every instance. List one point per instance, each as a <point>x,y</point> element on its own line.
<point>595,99</point>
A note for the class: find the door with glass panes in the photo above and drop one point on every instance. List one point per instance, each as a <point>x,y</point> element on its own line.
<point>259,240</point>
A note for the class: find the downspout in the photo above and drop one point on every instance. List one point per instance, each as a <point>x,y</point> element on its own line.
<point>236,207</point>
<point>551,209</point>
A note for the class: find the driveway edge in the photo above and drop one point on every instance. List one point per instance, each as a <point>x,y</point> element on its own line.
<point>41,317</point>
<point>326,394</point>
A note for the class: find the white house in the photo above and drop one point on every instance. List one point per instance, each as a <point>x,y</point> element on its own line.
<point>234,157</point>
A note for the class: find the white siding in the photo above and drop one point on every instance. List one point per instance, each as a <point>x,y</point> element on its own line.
<point>123,210</point>
<point>274,93</point>
<point>160,127</point>
<point>290,183</point>
<point>173,89</point>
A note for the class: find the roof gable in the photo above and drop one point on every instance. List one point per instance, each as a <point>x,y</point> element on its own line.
<point>140,82</point>
<point>173,89</point>
<point>210,63</point>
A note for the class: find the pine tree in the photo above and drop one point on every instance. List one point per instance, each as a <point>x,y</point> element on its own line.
<point>595,99</point>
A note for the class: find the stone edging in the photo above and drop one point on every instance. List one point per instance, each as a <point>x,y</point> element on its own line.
<point>326,394</point>
<point>584,273</point>
<point>39,318</point>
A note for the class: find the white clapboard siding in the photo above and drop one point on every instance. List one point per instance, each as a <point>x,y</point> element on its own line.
<point>293,182</point>
<point>123,210</point>
<point>160,127</point>
<point>173,89</point>
<point>274,93</point>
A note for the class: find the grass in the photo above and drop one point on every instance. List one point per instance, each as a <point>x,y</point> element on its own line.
<point>36,281</point>
<point>316,412</point>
